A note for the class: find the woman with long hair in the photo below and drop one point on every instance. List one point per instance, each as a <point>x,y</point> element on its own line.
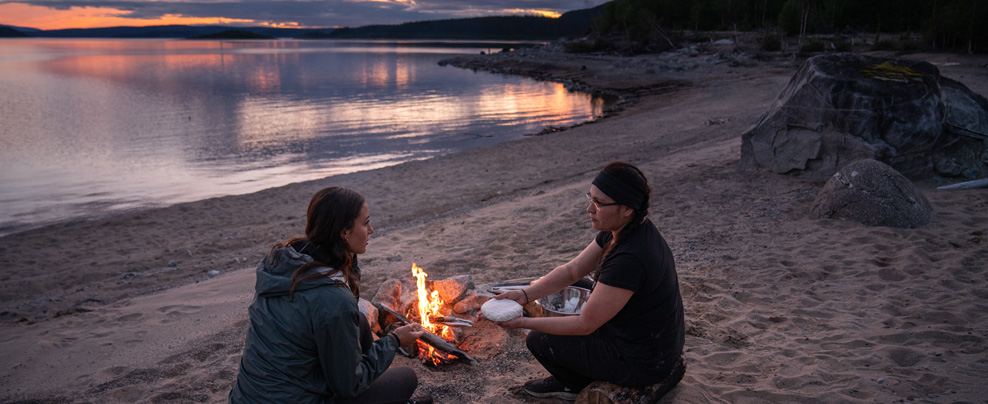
<point>631,330</point>
<point>307,341</point>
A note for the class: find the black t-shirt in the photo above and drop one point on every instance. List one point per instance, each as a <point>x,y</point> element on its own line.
<point>649,330</point>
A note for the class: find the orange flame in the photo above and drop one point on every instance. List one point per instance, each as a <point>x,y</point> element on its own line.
<point>430,306</point>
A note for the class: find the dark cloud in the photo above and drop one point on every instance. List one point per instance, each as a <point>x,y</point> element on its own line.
<point>321,13</point>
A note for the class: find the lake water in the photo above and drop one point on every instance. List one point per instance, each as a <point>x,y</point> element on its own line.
<point>90,127</point>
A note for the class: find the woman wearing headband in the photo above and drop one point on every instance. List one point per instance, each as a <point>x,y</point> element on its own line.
<point>631,330</point>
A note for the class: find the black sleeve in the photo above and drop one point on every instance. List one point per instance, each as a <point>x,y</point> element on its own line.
<point>622,270</point>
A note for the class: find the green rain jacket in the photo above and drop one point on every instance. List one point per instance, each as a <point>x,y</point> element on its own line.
<point>305,350</point>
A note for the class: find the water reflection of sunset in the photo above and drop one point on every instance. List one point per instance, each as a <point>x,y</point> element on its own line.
<point>124,65</point>
<point>113,124</point>
<point>520,100</point>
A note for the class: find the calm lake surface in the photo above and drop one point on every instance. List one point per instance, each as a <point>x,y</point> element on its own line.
<point>90,127</point>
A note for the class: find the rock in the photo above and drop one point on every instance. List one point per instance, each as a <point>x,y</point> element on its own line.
<point>400,295</point>
<point>965,111</point>
<point>371,313</point>
<point>470,302</point>
<point>948,167</point>
<point>389,294</point>
<point>840,108</point>
<point>451,290</point>
<point>874,194</point>
<point>409,296</point>
<point>212,273</point>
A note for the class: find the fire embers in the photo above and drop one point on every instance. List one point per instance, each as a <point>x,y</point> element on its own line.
<point>432,304</point>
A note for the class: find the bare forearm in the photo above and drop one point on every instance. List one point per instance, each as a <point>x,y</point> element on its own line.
<point>559,278</point>
<point>566,274</point>
<point>555,325</point>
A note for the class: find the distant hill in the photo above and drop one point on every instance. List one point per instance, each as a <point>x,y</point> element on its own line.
<point>25,30</point>
<point>169,31</point>
<point>572,23</point>
<point>505,28</point>
<point>234,34</point>
<point>7,32</point>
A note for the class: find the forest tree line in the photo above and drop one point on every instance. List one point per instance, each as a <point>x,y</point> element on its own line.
<point>957,25</point>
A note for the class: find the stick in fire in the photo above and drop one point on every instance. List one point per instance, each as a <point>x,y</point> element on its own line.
<point>429,338</point>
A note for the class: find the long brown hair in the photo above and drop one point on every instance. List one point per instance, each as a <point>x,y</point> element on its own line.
<point>633,177</point>
<point>332,211</point>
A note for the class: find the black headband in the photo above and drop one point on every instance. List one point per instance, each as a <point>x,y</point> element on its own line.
<point>619,191</point>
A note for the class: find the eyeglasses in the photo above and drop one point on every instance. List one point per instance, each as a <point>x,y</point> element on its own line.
<point>597,205</point>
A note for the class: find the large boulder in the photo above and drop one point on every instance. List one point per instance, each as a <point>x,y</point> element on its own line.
<point>874,194</point>
<point>840,108</point>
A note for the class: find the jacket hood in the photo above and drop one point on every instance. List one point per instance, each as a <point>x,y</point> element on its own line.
<point>274,273</point>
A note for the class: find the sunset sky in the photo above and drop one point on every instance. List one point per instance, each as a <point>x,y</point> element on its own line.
<point>61,14</point>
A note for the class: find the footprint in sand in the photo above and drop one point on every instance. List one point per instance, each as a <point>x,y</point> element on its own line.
<point>130,317</point>
<point>113,372</point>
<point>175,312</point>
<point>905,357</point>
<point>138,338</point>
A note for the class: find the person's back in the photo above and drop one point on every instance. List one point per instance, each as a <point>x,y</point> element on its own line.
<point>293,341</point>
<point>649,330</point>
<point>307,341</point>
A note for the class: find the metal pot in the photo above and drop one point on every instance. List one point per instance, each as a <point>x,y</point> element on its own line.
<point>567,302</point>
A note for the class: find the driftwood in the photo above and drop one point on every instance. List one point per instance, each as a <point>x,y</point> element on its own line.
<point>968,132</point>
<point>976,184</point>
<point>430,338</point>
<point>601,392</point>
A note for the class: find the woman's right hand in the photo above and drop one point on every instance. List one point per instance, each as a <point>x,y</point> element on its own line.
<point>407,334</point>
<point>516,295</point>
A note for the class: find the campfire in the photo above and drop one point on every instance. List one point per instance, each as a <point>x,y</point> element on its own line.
<point>439,306</point>
<point>429,306</point>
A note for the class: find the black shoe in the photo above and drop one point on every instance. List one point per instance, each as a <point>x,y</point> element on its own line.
<point>550,387</point>
<point>426,399</point>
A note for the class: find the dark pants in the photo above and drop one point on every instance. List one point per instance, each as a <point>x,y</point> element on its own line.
<point>395,385</point>
<point>579,360</point>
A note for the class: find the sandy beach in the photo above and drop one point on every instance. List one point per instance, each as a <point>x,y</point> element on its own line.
<point>780,306</point>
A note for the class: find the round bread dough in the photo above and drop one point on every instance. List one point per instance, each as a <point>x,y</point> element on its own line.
<point>501,310</point>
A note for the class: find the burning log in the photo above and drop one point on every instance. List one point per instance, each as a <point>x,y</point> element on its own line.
<point>452,321</point>
<point>428,337</point>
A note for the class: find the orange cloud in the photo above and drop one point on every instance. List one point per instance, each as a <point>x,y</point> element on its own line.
<point>23,15</point>
<point>543,13</point>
